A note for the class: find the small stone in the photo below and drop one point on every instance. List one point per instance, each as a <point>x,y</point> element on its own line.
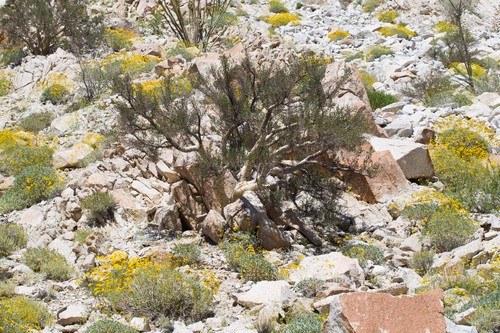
<point>140,324</point>
<point>73,314</point>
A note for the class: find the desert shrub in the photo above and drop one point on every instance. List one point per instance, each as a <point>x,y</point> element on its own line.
<point>460,158</point>
<point>370,5</point>
<point>364,253</point>
<point>379,99</point>
<point>357,55</point>
<point>278,20</point>
<point>187,254</point>
<point>5,84</point>
<point>21,315</point>
<point>489,82</point>
<point>276,6</point>
<point>12,56</point>
<point>310,322</point>
<point>36,122</point>
<point>476,70</point>
<point>127,62</point>
<point>445,27</point>
<point>43,26</point>
<point>55,93</point>
<point>143,287</point>
<point>244,256</point>
<point>182,51</point>
<point>387,16</point>
<point>18,158</point>
<point>119,38</point>
<point>12,238</point>
<point>309,287</point>
<point>32,185</point>
<point>442,219</point>
<point>487,316</point>
<point>7,289</point>
<point>100,205</point>
<point>422,261</point>
<point>81,235</point>
<point>49,262</point>
<point>397,30</point>
<point>378,51</point>
<point>426,87</point>
<point>110,326</point>
<point>338,35</point>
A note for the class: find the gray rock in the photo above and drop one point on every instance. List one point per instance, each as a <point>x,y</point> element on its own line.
<point>73,314</point>
<point>267,292</point>
<point>451,327</point>
<point>167,218</point>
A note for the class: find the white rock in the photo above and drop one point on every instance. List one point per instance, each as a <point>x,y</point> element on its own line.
<point>73,314</point>
<point>140,324</point>
<point>67,158</point>
<point>267,292</point>
<point>146,190</point>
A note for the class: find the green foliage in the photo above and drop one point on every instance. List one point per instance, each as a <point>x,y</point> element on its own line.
<point>378,51</point>
<point>100,205</point>
<point>387,16</point>
<point>43,26</point>
<point>81,235</point>
<point>309,287</point>
<point>487,316</point>
<point>379,99</point>
<point>55,93</point>
<point>370,5</point>
<point>109,326</point>
<point>12,56</point>
<point>7,289</point>
<point>5,84</point>
<point>12,238</point>
<point>187,254</point>
<point>119,38</point>
<point>276,6</point>
<point>299,5</point>
<point>422,261</point>
<point>182,51</point>
<point>310,323</point>
<point>357,55</point>
<point>22,315</point>
<point>244,256</point>
<point>36,122</point>
<point>363,252</point>
<point>18,158</point>
<point>49,262</point>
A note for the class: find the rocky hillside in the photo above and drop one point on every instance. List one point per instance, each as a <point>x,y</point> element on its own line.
<point>310,166</point>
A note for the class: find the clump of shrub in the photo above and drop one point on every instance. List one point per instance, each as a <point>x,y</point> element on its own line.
<point>378,51</point>
<point>487,316</point>
<point>22,315</point>
<point>338,35</point>
<point>32,185</point>
<point>127,62</point>
<point>357,55</point>
<point>309,287</point>
<point>36,122</point>
<point>12,238</point>
<point>7,288</point>
<point>81,235</point>
<point>245,257</point>
<point>276,6</point>
<point>187,254</point>
<point>142,287</point>
<point>387,16</point>
<point>119,38</point>
<point>12,56</point>
<point>422,261</point>
<point>379,99</point>
<point>310,323</point>
<point>445,27</point>
<point>18,158</point>
<point>364,253</point>
<point>460,155</point>
<point>49,262</point>
<point>281,19</point>
<point>110,326</point>
<point>443,220</point>
<point>55,93</point>
<point>397,30</point>
<point>5,84</point>
<point>459,69</point>
<point>100,205</point>
<point>182,51</point>
<point>370,5</point>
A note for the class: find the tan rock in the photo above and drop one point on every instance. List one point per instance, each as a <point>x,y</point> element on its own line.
<point>70,158</point>
<point>191,208</point>
<point>213,226</point>
<point>377,312</point>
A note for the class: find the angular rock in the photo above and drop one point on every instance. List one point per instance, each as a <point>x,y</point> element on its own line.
<point>65,248</point>
<point>451,327</point>
<point>73,314</point>
<point>140,324</point>
<point>71,158</point>
<point>170,175</point>
<point>245,213</point>
<point>267,292</point>
<point>146,190</point>
<point>192,211</point>
<point>167,218</point>
<point>213,226</point>
<point>376,312</point>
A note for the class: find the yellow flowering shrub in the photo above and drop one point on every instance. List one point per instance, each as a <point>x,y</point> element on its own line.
<point>459,68</point>
<point>5,84</point>
<point>337,35</point>
<point>281,19</point>
<point>11,138</point>
<point>119,38</point>
<point>55,93</point>
<point>386,16</point>
<point>22,315</point>
<point>398,30</point>
<point>363,252</point>
<point>445,27</point>
<point>93,139</point>
<point>128,62</point>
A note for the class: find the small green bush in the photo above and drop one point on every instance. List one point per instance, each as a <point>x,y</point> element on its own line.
<point>276,6</point>
<point>36,122</point>
<point>18,158</point>
<point>110,326</point>
<point>55,93</point>
<point>49,262</point>
<point>309,287</point>
<point>363,252</point>
<point>487,316</point>
<point>5,85</point>
<point>299,5</point>
<point>379,99</point>
<point>422,261</point>
<point>182,51</point>
<point>357,55</point>
<point>397,30</point>
<point>12,56</point>
<point>7,288</point>
<point>100,205</point>
<point>22,315</point>
<point>187,254</point>
<point>370,5</point>
<point>32,185</point>
<point>81,235</point>
<point>310,323</point>
<point>12,238</point>
<point>119,38</point>
<point>378,51</point>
